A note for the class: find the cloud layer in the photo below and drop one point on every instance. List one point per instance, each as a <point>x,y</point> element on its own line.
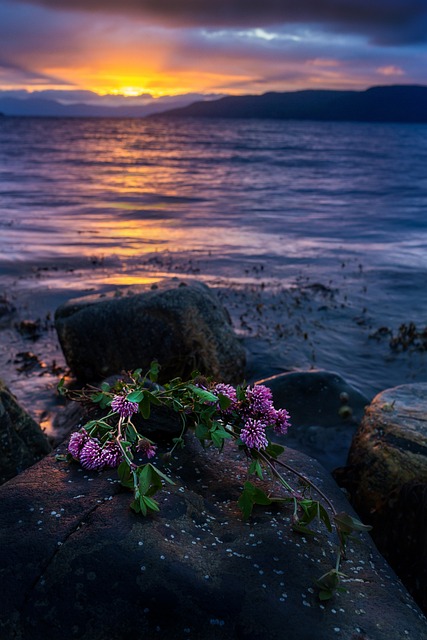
<point>384,21</point>
<point>231,46</point>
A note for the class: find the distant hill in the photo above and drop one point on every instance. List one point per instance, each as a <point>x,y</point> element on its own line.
<point>400,103</point>
<point>33,105</point>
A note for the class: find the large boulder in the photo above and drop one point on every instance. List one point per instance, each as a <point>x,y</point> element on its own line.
<point>184,327</point>
<point>386,477</point>
<point>325,412</point>
<point>22,442</point>
<point>79,564</point>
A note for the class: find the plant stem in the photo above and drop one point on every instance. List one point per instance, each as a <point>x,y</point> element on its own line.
<point>309,482</point>
<point>269,461</point>
<point>119,438</point>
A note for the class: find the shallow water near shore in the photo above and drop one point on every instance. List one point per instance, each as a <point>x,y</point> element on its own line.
<point>314,235</point>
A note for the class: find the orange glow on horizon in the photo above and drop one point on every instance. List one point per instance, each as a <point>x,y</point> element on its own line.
<point>157,77</point>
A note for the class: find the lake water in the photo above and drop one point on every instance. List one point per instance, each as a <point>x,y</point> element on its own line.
<point>314,234</point>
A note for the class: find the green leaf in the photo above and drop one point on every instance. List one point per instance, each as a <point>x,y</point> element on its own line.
<point>177,405</point>
<point>329,584</point>
<point>153,398</point>
<point>224,401</point>
<point>310,511</point>
<point>151,504</point>
<point>131,434</point>
<point>252,495</point>
<point>97,397</point>
<point>201,432</point>
<point>258,495</point>
<point>178,441</point>
<point>154,371</point>
<point>142,506</point>
<point>125,475</point>
<point>256,468</point>
<point>324,516</point>
<point>161,475</point>
<point>144,407</point>
<point>90,424</point>
<point>135,505</point>
<point>145,478</point>
<point>61,388</point>
<point>217,439</point>
<point>135,396</point>
<point>204,395</point>
<point>302,529</point>
<point>245,505</point>
<point>219,434</point>
<point>241,392</point>
<point>105,386</point>
<point>347,524</point>
<point>274,450</point>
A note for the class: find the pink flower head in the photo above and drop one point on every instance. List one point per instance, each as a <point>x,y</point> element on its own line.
<point>91,455</point>
<point>260,399</point>
<point>147,448</point>
<point>253,434</point>
<point>111,454</point>
<point>282,422</point>
<point>77,440</point>
<point>229,392</point>
<point>123,406</point>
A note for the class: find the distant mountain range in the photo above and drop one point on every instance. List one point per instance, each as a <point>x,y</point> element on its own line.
<point>36,104</point>
<point>399,103</point>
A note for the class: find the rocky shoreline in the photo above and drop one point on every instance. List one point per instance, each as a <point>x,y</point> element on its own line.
<point>75,525</point>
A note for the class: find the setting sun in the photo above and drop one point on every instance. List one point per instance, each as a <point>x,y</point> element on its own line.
<point>128,92</point>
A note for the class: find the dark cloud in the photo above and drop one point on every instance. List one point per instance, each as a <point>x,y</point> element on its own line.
<point>383,21</point>
<point>12,72</point>
<point>46,48</point>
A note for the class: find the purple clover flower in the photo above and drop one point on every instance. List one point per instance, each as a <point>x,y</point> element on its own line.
<point>253,434</point>
<point>229,392</point>
<point>111,454</point>
<point>77,440</point>
<point>260,399</point>
<point>147,448</point>
<point>282,423</point>
<point>91,455</point>
<point>123,406</point>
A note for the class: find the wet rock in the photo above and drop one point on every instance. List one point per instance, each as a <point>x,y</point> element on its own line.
<point>325,411</point>
<point>7,311</point>
<point>22,442</point>
<point>94,570</point>
<point>386,477</point>
<point>183,327</point>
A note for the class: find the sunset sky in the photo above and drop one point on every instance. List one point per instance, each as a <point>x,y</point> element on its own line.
<point>170,47</point>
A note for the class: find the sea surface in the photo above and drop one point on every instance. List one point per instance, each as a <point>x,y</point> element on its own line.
<point>313,234</point>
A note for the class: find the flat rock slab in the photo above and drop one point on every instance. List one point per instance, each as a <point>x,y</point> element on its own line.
<point>184,327</point>
<point>77,563</point>
<point>386,476</point>
<point>325,412</point>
